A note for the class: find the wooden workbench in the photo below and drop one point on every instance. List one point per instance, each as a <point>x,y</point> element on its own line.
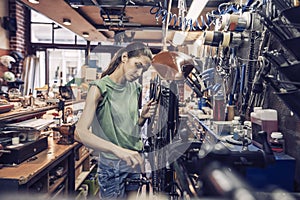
<point>39,175</point>
<point>31,174</point>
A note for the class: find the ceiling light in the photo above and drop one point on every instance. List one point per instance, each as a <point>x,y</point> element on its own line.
<point>66,21</point>
<point>34,1</point>
<point>85,34</point>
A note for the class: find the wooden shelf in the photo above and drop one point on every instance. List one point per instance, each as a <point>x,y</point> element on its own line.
<point>58,192</point>
<point>79,162</point>
<point>23,114</point>
<point>57,182</point>
<point>82,177</point>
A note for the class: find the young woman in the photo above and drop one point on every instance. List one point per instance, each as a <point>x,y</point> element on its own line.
<point>111,110</point>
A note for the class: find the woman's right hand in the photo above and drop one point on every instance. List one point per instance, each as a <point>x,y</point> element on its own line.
<point>132,158</point>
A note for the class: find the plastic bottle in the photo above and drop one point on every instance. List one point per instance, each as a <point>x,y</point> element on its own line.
<point>248,129</point>
<point>219,107</point>
<point>235,124</point>
<point>264,120</point>
<point>55,88</point>
<point>277,142</point>
<point>255,116</point>
<point>237,118</point>
<point>269,121</point>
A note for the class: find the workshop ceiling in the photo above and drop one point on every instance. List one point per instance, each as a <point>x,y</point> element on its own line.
<point>116,20</point>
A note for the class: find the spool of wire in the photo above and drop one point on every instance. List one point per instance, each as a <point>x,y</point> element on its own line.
<point>224,39</point>
<point>227,36</point>
<point>212,38</point>
<point>234,22</point>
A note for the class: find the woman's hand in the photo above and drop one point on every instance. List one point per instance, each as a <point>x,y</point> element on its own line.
<point>148,109</point>
<point>132,158</point>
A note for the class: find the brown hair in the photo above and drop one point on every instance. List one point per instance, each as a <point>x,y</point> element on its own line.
<point>134,49</point>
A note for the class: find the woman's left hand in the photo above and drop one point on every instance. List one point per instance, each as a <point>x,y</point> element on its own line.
<point>148,109</point>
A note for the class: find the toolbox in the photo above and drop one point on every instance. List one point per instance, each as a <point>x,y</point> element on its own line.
<point>23,151</point>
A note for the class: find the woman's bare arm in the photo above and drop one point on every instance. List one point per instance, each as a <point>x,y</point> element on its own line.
<point>86,137</point>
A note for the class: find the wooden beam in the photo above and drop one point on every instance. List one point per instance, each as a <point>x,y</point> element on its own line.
<point>56,10</point>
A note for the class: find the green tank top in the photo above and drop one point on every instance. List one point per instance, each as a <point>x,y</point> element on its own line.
<point>117,115</point>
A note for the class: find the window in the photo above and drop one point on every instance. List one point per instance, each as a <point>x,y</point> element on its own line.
<point>65,64</point>
<point>64,36</point>
<point>65,51</point>
<point>99,61</point>
<point>44,30</point>
<point>40,33</point>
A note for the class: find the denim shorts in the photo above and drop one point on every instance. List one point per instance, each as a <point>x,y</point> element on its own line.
<point>113,178</point>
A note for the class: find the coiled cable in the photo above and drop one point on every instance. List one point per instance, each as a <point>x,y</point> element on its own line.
<point>179,21</point>
<point>205,20</point>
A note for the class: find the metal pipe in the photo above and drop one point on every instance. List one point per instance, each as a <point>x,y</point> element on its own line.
<point>165,25</point>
